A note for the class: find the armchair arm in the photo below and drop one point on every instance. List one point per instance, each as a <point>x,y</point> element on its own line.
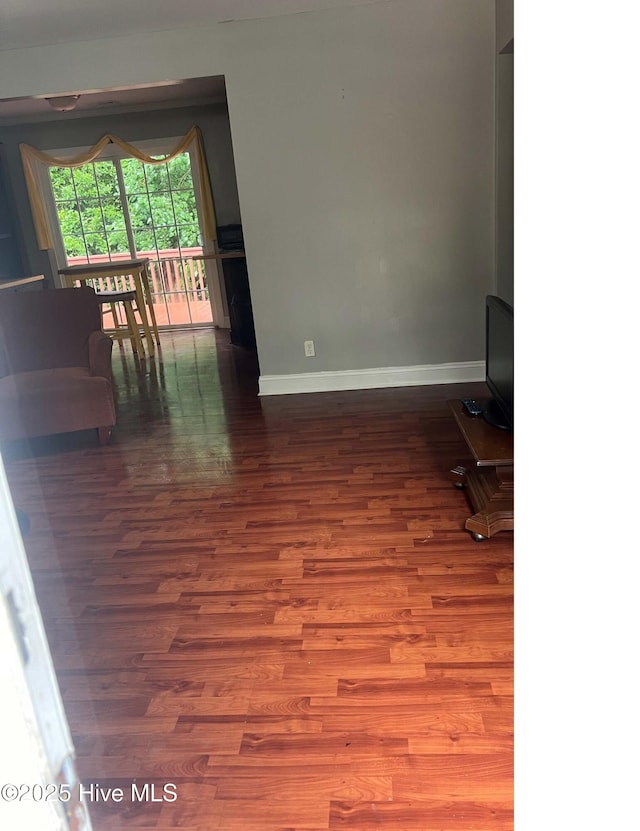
<point>100,346</point>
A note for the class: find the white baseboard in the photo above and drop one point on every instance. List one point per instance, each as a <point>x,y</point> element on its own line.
<point>378,378</point>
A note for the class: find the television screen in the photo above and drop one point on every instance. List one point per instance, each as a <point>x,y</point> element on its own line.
<point>499,362</point>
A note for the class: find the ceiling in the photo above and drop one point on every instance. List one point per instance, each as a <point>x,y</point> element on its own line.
<point>25,23</point>
<point>32,23</point>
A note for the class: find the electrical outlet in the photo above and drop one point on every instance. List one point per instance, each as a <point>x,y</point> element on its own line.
<point>309,349</point>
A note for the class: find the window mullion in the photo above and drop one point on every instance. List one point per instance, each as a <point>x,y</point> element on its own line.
<point>125,209</point>
<point>153,220</point>
<point>102,216</point>
<point>82,231</point>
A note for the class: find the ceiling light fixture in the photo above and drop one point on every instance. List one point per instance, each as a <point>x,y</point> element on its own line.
<point>63,103</point>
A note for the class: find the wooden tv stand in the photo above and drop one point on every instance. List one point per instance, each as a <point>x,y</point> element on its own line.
<point>487,475</point>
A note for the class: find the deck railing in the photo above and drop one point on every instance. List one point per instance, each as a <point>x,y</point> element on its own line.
<point>178,284</point>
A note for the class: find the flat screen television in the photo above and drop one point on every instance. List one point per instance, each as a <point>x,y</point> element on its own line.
<point>499,362</point>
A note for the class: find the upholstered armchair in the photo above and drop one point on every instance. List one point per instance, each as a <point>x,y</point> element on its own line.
<point>55,364</point>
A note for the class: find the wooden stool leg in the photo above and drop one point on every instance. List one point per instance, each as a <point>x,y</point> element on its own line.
<point>148,298</point>
<point>114,314</point>
<point>136,342</point>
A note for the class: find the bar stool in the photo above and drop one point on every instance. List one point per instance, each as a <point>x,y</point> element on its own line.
<point>129,305</point>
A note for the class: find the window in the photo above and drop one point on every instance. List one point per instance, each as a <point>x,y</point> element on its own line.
<point>90,211</point>
<point>120,208</point>
<point>127,207</point>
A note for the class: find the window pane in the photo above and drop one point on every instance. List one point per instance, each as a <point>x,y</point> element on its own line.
<point>167,238</point>
<point>96,244</point>
<point>74,246</point>
<point>69,218</point>
<point>91,216</point>
<point>189,236</point>
<point>133,175</point>
<point>61,183</point>
<point>118,242</point>
<point>140,210</point>
<point>85,182</point>
<point>107,178</point>
<point>67,204</point>
<point>157,177</point>
<point>144,240</point>
<point>113,214</point>
<point>162,209</point>
<point>180,172</point>
<point>184,204</point>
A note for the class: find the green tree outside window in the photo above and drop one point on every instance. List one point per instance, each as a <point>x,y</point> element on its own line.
<point>160,199</point>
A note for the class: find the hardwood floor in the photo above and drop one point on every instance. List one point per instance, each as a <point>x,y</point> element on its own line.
<point>271,604</point>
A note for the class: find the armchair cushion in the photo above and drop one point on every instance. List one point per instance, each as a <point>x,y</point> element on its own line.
<point>49,401</point>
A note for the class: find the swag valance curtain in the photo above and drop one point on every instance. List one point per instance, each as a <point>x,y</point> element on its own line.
<point>32,159</point>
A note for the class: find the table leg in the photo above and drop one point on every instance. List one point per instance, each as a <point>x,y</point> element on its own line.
<point>149,299</point>
<point>490,492</point>
<point>142,309</point>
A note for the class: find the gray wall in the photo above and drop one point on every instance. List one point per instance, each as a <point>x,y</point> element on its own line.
<point>12,265</point>
<point>364,146</point>
<point>80,132</point>
<point>504,23</point>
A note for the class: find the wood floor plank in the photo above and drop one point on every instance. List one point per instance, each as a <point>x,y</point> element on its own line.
<point>272,604</point>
